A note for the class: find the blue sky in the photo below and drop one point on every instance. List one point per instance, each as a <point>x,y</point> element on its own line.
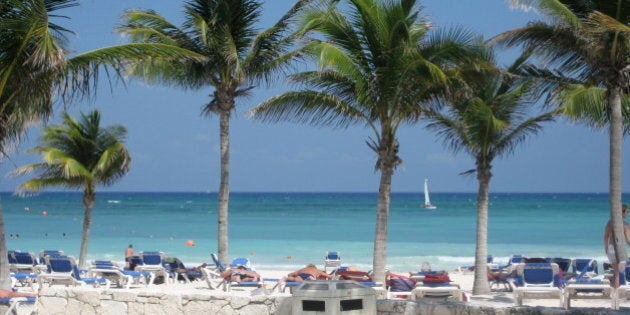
<point>175,149</point>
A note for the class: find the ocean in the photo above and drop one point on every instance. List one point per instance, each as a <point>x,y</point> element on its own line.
<point>284,231</point>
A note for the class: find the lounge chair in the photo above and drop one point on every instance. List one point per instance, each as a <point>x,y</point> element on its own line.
<point>23,278</point>
<point>587,288</point>
<point>436,286</point>
<point>17,302</point>
<point>153,261</point>
<point>585,265</point>
<point>399,286</point>
<point>425,269</point>
<point>228,284</point>
<point>49,252</point>
<point>333,260</point>
<point>23,262</point>
<point>123,278</point>
<point>212,273</point>
<point>181,272</point>
<point>64,270</point>
<point>623,291</point>
<point>538,282</point>
<point>362,277</point>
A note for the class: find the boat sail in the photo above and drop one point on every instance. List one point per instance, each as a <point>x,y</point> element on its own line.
<point>427,202</point>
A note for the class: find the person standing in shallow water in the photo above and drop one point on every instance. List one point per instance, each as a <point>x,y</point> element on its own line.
<point>609,247</point>
<point>129,253</point>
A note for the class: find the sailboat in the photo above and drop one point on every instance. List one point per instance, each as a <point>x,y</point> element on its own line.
<point>427,202</point>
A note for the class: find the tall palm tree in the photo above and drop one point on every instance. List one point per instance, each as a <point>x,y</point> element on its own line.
<point>79,154</point>
<point>376,63</point>
<point>30,44</point>
<point>589,42</point>
<point>487,120</point>
<point>35,67</point>
<point>236,59</point>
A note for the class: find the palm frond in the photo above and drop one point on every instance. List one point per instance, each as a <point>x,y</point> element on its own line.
<point>309,107</point>
<point>552,8</point>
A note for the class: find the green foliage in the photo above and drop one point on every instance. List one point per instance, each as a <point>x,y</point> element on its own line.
<point>78,154</point>
<point>490,117</point>
<point>236,55</point>
<point>376,64</point>
<point>588,44</point>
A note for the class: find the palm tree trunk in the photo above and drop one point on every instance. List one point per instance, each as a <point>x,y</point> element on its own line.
<point>224,188</point>
<point>89,196</point>
<point>616,143</point>
<point>5,281</point>
<point>382,217</point>
<point>480,284</point>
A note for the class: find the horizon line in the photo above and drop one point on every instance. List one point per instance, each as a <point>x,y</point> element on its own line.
<point>306,192</point>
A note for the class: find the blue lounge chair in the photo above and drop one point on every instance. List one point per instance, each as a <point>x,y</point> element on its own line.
<point>64,270</point>
<point>22,262</point>
<point>539,281</point>
<point>333,260</point>
<point>228,284</point>
<point>23,278</point>
<point>123,278</point>
<point>623,291</point>
<point>585,286</point>
<point>49,252</point>
<point>153,261</point>
<point>211,274</point>
<point>584,265</point>
<point>181,272</point>
<point>17,302</point>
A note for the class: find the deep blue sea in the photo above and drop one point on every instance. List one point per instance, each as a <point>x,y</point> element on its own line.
<point>286,230</point>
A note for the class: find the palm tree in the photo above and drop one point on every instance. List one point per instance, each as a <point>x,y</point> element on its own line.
<point>376,63</point>
<point>487,120</point>
<point>237,58</point>
<point>79,154</point>
<point>30,44</point>
<point>589,43</point>
<point>35,67</point>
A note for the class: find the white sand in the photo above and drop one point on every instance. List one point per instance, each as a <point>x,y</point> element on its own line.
<point>465,280</point>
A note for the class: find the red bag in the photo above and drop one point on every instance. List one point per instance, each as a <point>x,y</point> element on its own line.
<point>436,278</point>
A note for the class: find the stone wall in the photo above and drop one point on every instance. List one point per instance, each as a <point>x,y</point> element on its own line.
<point>85,301</point>
<point>82,301</point>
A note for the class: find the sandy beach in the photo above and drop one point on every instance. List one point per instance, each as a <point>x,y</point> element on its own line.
<point>465,280</point>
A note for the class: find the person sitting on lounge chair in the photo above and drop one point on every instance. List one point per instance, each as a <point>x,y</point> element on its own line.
<point>240,274</point>
<point>310,272</point>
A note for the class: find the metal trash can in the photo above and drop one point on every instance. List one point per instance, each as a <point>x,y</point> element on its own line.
<point>343,297</point>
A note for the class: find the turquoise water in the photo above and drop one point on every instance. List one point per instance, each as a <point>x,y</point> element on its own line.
<point>287,230</point>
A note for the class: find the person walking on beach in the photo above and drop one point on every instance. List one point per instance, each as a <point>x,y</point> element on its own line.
<point>610,248</point>
<point>310,272</point>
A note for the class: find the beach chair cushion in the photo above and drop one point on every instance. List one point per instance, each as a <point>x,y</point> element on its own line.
<point>436,278</point>
<point>398,283</point>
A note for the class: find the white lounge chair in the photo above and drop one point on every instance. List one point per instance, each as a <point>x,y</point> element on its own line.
<point>64,270</point>
<point>539,282</point>
<point>228,284</point>
<point>587,285</point>
<point>333,260</point>
<point>442,290</point>
<point>17,302</point>
<point>123,278</point>
<point>623,291</point>
<point>154,262</point>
